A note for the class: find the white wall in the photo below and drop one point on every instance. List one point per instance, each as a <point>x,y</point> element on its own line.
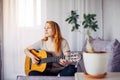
<point>111,17</point>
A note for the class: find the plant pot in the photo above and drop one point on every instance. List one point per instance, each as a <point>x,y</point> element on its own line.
<point>95,63</point>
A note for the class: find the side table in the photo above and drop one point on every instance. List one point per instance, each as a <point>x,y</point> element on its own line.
<point>109,76</point>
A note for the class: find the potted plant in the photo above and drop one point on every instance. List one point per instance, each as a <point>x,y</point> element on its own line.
<point>95,61</point>
<point>90,24</point>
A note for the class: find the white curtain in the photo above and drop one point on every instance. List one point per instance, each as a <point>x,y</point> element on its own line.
<point>24,23</point>
<point>22,27</point>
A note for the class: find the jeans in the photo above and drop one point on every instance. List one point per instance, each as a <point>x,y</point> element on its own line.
<point>67,71</point>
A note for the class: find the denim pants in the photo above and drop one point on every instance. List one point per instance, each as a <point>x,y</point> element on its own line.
<point>67,71</point>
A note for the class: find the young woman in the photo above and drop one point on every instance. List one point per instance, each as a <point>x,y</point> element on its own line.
<point>54,43</point>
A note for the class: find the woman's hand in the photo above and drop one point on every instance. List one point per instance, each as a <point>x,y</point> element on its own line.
<point>64,62</point>
<point>35,60</point>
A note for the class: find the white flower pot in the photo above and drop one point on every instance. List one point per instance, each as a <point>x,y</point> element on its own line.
<point>95,63</point>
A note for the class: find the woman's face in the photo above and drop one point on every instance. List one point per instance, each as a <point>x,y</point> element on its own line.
<point>48,30</point>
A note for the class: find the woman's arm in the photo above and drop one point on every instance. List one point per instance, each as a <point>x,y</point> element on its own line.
<point>28,53</point>
<point>66,51</point>
<point>37,46</point>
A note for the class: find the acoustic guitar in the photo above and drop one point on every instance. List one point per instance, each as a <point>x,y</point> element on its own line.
<point>45,59</point>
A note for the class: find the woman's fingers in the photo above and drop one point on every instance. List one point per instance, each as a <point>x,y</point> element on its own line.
<point>64,62</point>
<point>35,60</point>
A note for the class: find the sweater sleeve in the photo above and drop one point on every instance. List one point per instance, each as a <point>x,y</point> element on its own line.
<point>37,45</point>
<point>65,46</point>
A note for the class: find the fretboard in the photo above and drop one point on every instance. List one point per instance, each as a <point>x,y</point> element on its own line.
<point>51,59</point>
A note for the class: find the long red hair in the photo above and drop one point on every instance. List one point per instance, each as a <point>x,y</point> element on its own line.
<point>57,37</point>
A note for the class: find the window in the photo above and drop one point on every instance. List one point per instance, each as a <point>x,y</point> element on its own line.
<point>28,13</point>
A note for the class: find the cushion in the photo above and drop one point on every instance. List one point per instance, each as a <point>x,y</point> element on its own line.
<point>114,58</point>
<point>100,45</point>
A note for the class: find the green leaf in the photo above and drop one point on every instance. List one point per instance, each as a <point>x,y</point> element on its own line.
<point>67,19</point>
<point>83,22</point>
<point>84,15</point>
<point>70,20</point>
<point>73,28</point>
<point>86,26</point>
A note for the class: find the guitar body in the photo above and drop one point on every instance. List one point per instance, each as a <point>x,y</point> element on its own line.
<point>29,66</point>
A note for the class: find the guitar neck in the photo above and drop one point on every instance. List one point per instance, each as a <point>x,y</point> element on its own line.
<point>51,59</point>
